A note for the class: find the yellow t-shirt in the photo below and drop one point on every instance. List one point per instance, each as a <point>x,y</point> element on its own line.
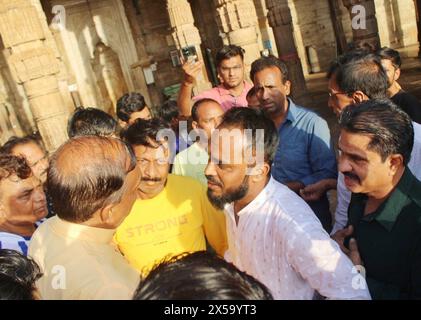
<point>175,221</point>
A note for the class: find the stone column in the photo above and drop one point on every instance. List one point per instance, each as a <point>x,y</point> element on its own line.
<point>265,29</point>
<point>280,20</point>
<point>33,64</point>
<point>336,16</point>
<point>370,34</point>
<point>186,34</point>
<point>418,15</point>
<point>144,59</point>
<point>238,25</point>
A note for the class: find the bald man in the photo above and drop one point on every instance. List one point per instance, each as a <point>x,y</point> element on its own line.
<point>93,182</point>
<point>206,116</point>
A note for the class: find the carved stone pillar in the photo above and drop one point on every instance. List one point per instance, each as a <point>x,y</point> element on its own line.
<point>336,16</point>
<point>265,29</point>
<point>418,15</point>
<point>186,34</point>
<point>33,64</point>
<point>237,22</point>
<point>369,34</point>
<point>144,59</point>
<point>280,20</point>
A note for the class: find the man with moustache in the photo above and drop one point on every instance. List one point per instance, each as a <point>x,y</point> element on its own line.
<point>272,233</point>
<point>172,214</point>
<point>355,77</point>
<point>305,154</point>
<point>375,145</point>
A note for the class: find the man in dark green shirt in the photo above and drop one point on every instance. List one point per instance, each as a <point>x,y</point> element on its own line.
<point>384,232</point>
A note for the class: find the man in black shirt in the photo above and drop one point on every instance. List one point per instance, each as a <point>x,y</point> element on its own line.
<point>384,216</point>
<point>391,62</point>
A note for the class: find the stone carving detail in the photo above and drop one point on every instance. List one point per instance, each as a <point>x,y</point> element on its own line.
<point>34,65</point>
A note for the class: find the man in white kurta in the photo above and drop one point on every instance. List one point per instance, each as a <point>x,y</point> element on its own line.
<point>280,241</point>
<point>272,233</point>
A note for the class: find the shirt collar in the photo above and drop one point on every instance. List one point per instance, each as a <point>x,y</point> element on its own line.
<point>388,213</point>
<point>81,232</point>
<point>257,202</point>
<point>292,111</point>
<point>224,92</point>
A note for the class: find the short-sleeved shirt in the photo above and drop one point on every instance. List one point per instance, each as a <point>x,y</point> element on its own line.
<point>225,98</point>
<point>179,219</point>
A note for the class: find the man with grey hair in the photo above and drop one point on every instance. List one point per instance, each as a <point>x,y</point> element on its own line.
<point>93,182</point>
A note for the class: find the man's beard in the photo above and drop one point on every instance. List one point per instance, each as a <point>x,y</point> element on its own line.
<point>220,201</point>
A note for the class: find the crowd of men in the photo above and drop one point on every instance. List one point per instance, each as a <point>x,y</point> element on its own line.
<point>139,208</point>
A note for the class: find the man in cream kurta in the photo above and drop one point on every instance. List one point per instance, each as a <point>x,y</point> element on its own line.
<point>92,182</point>
<point>80,263</point>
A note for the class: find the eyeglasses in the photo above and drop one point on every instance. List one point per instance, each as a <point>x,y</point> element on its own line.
<point>45,157</point>
<point>336,94</point>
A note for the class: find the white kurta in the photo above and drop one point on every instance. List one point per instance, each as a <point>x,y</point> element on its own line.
<point>280,242</point>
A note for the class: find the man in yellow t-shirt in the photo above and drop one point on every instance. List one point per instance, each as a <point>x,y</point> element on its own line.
<point>172,214</point>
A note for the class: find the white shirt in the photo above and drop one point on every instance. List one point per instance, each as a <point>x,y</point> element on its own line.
<point>344,195</point>
<point>280,242</point>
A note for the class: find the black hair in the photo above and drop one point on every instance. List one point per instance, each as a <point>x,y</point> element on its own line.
<point>18,275</point>
<point>389,127</point>
<point>254,119</point>
<point>345,58</point>
<point>199,276</point>
<point>392,55</point>
<point>19,141</point>
<point>128,104</point>
<point>227,52</point>
<point>168,111</point>
<point>145,132</point>
<point>269,62</point>
<point>363,73</point>
<point>91,121</point>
